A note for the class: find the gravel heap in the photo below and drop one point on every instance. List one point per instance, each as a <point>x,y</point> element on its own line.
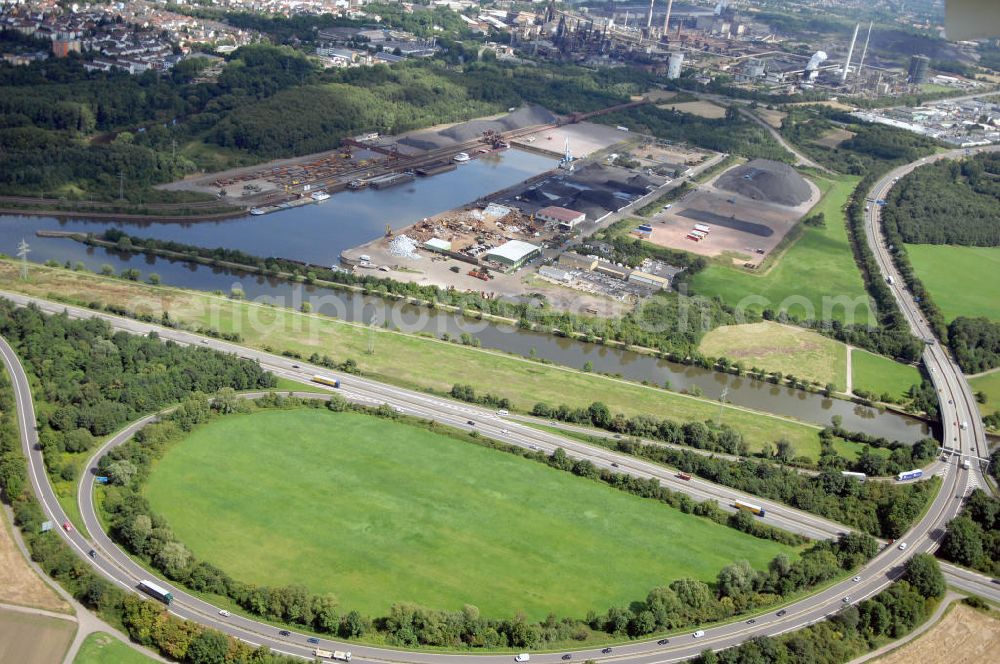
<point>766,180</point>
<point>404,247</point>
<point>526,116</point>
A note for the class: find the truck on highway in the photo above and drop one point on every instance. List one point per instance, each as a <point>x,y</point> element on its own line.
<point>326,380</point>
<point>966,464</point>
<point>910,475</point>
<point>749,507</point>
<point>861,477</point>
<point>322,654</point>
<point>343,656</point>
<point>156,591</point>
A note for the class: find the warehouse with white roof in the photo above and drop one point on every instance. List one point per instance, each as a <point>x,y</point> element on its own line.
<point>513,254</point>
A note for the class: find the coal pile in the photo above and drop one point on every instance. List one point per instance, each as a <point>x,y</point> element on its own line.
<point>765,180</point>
<point>526,116</point>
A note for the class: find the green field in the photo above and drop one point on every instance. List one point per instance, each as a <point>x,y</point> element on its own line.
<point>817,269</point>
<point>962,280</point>
<point>102,648</point>
<point>408,360</point>
<point>988,384</point>
<point>379,512</point>
<point>881,375</point>
<point>785,348</point>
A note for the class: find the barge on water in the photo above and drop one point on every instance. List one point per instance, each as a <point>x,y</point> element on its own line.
<point>436,169</point>
<point>391,180</point>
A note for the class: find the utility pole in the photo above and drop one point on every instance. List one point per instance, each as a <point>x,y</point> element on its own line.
<point>22,252</point>
<point>722,404</point>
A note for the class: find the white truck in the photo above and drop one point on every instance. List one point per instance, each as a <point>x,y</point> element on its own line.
<point>966,464</point>
<point>342,655</point>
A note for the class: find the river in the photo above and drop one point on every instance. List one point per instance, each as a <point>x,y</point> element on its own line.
<point>318,233</point>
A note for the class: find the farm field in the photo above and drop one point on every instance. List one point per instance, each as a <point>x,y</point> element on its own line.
<point>703,109</point>
<point>785,348</point>
<point>18,582</point>
<point>962,636</point>
<point>881,375</point>
<point>381,512</point>
<point>407,360</point>
<point>101,648</point>
<point>988,384</point>
<point>33,639</point>
<point>817,269</point>
<point>954,276</point>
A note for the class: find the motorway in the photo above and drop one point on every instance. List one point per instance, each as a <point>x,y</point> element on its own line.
<point>957,406</point>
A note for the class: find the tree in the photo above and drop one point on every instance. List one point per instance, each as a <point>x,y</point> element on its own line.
<point>208,647</point>
<point>121,472</point>
<point>225,401</point>
<point>963,542</point>
<point>785,451</point>
<point>924,574</point>
<point>153,278</point>
<point>352,625</point>
<point>173,558</point>
<point>736,579</point>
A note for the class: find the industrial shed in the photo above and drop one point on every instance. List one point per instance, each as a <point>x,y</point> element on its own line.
<point>513,254</point>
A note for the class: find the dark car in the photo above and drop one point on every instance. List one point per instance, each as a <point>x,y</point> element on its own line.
<point>782,612</point>
<point>614,465</point>
<point>663,642</point>
<point>751,621</point>
<point>606,651</point>
<point>567,656</point>
<point>92,553</point>
<point>470,423</point>
<point>312,639</point>
<point>295,366</point>
<point>284,632</point>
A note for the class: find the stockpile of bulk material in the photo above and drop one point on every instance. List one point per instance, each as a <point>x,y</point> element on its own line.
<point>766,180</point>
<point>403,247</point>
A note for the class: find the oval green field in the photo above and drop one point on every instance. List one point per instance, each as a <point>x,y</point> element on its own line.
<point>379,512</point>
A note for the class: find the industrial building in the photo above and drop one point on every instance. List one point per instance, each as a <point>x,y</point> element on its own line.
<point>437,244</point>
<point>917,72</point>
<point>574,261</point>
<point>647,279</point>
<point>565,217</point>
<point>555,274</point>
<point>513,254</point>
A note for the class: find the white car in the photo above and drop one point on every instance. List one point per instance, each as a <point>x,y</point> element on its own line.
<point>856,579</point>
<point>224,613</point>
<point>523,657</point>
<point>902,546</point>
<point>700,633</point>
<point>847,600</point>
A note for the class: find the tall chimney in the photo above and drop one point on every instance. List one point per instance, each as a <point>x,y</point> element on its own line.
<point>666,19</point>
<point>850,52</point>
<point>864,51</point>
<point>649,16</point>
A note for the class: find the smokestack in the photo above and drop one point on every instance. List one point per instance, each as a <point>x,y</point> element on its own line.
<point>864,51</point>
<point>649,16</point>
<point>666,19</point>
<point>850,52</point>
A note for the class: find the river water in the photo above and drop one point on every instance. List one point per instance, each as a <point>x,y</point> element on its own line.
<point>318,233</point>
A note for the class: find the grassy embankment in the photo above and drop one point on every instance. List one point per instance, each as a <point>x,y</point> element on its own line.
<point>102,648</point>
<point>406,360</point>
<point>988,384</point>
<point>880,375</point>
<point>451,523</point>
<point>818,267</point>
<point>962,280</point>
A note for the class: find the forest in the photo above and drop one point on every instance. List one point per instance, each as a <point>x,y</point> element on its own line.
<point>948,202</point>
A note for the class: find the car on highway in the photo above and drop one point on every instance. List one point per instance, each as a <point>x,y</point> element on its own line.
<point>224,613</point>
<point>902,546</point>
<point>295,366</point>
<point>856,579</point>
<point>700,633</point>
<point>567,656</point>
<point>313,640</point>
<point>92,554</point>
<point>284,632</point>
<point>67,526</point>
<point>663,642</point>
<point>614,465</point>
<point>470,423</point>
<point>846,600</point>
<point>606,651</point>
<point>504,431</point>
<point>782,612</point>
<point>523,657</point>
<point>751,621</point>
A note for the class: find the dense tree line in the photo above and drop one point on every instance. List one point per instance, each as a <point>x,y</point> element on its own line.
<point>881,509</point>
<point>948,202</point>
<point>683,602</point>
<point>670,323</point>
<point>972,538</point>
<point>852,631</point>
<point>975,342</point>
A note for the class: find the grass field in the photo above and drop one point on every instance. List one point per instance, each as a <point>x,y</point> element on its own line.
<point>881,375</point>
<point>988,384</point>
<point>815,278</point>
<point>785,348</point>
<point>407,360</point>
<point>101,648</point>
<point>32,639</point>
<point>963,636</point>
<point>380,512</point>
<point>19,584</point>
<point>962,280</point>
